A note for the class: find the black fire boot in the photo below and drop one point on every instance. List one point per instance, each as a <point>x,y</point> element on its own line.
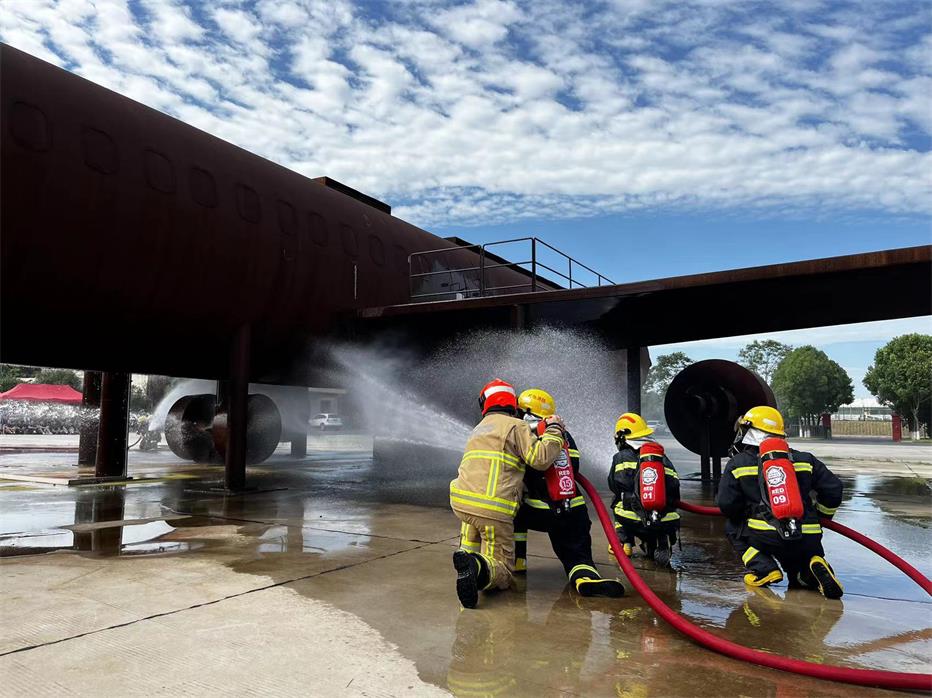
<point>472,575</point>
<point>591,584</point>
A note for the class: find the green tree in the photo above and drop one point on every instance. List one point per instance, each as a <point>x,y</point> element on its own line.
<point>661,373</point>
<point>807,383</point>
<point>138,402</point>
<point>12,375</point>
<point>59,376</point>
<point>901,376</point>
<point>763,356</point>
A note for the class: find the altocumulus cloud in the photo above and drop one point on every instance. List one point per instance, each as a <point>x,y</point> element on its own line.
<point>497,110</point>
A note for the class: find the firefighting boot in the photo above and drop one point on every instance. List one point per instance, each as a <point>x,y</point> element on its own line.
<point>662,557</point>
<point>752,580</point>
<point>472,576</point>
<point>829,586</point>
<point>588,582</point>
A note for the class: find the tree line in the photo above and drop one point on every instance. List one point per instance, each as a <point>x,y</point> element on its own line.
<point>807,383</point>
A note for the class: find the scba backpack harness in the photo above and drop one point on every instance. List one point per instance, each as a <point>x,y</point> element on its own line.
<point>783,503</point>
<point>652,487</point>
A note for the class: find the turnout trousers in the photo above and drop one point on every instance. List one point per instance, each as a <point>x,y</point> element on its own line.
<point>761,554</point>
<point>494,542</point>
<point>569,537</point>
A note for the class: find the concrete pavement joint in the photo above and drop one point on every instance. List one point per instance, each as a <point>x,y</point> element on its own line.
<point>210,603</point>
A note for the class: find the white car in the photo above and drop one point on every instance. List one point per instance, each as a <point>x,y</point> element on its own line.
<point>326,421</point>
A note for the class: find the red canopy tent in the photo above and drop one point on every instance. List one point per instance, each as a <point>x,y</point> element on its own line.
<point>40,392</point>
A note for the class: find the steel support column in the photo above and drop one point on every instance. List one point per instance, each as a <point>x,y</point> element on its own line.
<point>114,421</point>
<point>633,369</point>
<point>90,404</point>
<point>237,401</point>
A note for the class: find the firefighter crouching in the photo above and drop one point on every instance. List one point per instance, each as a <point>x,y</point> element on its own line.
<point>553,504</point>
<point>765,493</point>
<point>487,493</point>
<point>647,491</point>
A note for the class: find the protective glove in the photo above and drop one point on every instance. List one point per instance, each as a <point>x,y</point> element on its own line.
<point>555,420</point>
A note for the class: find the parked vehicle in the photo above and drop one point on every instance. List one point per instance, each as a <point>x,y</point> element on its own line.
<point>325,420</point>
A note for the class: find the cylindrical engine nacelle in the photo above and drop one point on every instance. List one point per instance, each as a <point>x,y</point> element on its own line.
<point>195,431</point>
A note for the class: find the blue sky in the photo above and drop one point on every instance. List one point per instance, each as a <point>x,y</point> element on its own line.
<point>645,137</point>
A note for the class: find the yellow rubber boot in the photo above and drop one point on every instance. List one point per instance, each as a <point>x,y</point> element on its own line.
<point>829,586</point>
<point>752,580</point>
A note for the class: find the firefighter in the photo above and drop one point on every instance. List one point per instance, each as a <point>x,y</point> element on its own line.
<point>647,491</point>
<point>766,495</point>
<point>487,492</point>
<point>559,511</point>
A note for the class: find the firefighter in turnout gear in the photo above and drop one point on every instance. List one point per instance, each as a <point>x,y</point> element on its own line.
<point>487,491</point>
<point>647,491</point>
<point>766,495</point>
<point>554,505</point>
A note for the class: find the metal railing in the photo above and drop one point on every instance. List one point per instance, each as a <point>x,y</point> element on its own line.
<point>473,281</point>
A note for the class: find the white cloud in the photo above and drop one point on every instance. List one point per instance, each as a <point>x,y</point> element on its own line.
<point>495,111</point>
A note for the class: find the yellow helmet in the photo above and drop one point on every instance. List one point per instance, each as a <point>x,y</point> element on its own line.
<point>538,402</point>
<point>764,418</point>
<point>632,426</point>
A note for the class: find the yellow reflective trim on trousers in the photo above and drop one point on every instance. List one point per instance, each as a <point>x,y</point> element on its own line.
<point>536,503</point>
<point>624,513</point>
<point>671,472</point>
<point>520,536</point>
<point>490,540</point>
<point>672,516</point>
<point>577,502</point>
<point>828,511</point>
<point>485,505</point>
<point>749,555</point>
<point>477,495</point>
<point>811,528</point>
<point>583,568</point>
<point>760,525</point>
<point>745,471</point>
<point>802,467</point>
<point>470,547</point>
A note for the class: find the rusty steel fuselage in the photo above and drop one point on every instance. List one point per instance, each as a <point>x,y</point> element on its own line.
<point>134,242</point>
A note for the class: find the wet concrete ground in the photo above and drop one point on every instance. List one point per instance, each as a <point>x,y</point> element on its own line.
<point>334,578</point>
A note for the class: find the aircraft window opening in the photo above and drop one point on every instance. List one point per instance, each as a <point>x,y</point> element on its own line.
<point>350,240</point>
<point>29,127</point>
<point>100,152</point>
<point>203,187</point>
<point>317,224</point>
<point>376,250</point>
<point>248,204</point>
<point>158,170</point>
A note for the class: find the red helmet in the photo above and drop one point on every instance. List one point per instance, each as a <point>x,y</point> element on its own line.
<point>498,393</point>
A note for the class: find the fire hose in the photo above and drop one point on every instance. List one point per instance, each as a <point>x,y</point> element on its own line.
<point>868,543</point>
<point>864,677</point>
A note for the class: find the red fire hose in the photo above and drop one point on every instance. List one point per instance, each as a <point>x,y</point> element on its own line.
<point>872,545</point>
<point>864,677</point>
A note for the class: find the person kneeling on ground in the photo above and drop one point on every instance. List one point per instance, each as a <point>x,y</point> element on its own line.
<point>647,491</point>
<point>766,495</point>
<point>553,504</point>
<point>487,492</point>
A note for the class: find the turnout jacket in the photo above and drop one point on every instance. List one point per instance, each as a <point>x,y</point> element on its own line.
<point>623,482</point>
<point>491,475</point>
<point>537,496</point>
<point>740,499</point>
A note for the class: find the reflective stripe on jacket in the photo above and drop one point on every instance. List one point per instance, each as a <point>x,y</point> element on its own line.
<point>491,474</point>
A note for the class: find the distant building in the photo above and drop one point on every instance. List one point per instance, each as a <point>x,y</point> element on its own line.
<point>863,409</point>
